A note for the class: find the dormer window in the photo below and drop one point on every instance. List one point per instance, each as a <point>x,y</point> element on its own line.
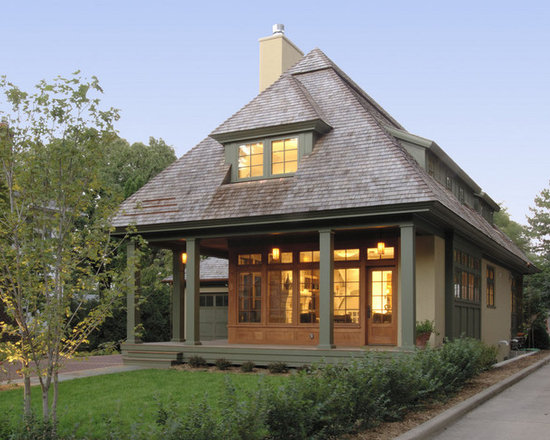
<point>284,156</point>
<point>251,160</point>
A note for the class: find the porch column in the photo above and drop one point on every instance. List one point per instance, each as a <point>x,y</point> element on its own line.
<point>178,294</point>
<point>192,292</point>
<point>407,312</point>
<point>132,314</point>
<point>326,301</point>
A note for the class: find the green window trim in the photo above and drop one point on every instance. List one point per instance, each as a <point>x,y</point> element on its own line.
<point>490,286</point>
<point>234,156</point>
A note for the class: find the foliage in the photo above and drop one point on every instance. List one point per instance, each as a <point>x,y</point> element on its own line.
<point>55,248</point>
<point>197,362</point>
<point>426,326</point>
<point>222,364</point>
<point>277,368</point>
<point>326,402</point>
<point>247,367</point>
<point>538,336</point>
<point>517,232</point>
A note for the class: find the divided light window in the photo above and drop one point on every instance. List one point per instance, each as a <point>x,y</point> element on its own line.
<point>251,160</point>
<point>284,156</point>
<point>467,275</point>
<point>490,286</point>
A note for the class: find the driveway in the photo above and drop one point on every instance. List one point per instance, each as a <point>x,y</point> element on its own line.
<point>520,412</point>
<point>77,367</point>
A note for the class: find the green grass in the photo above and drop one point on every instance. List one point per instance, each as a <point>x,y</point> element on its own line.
<point>86,406</point>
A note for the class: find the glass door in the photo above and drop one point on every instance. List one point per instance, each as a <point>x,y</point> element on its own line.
<point>381,309</point>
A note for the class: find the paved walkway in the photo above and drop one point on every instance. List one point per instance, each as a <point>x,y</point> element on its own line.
<point>520,412</point>
<point>74,368</point>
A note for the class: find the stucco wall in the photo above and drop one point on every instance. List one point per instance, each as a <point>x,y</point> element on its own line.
<point>430,283</point>
<point>496,321</point>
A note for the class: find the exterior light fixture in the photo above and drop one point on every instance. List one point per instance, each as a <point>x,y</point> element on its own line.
<point>381,246</point>
<point>184,257</point>
<point>276,253</point>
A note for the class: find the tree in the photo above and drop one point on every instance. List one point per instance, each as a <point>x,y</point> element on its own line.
<point>518,233</point>
<point>54,225</point>
<point>537,287</point>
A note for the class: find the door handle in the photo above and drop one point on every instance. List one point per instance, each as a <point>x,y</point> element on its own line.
<point>369,311</point>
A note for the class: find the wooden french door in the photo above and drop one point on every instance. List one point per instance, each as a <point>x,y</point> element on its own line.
<point>382,306</point>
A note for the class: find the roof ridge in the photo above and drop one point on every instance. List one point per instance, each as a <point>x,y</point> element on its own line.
<point>309,99</point>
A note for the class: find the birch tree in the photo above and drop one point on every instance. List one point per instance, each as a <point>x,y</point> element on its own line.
<point>55,247</point>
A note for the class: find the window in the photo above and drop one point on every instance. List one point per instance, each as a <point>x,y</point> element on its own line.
<point>387,254</point>
<point>309,257</point>
<point>449,182</point>
<point>250,297</point>
<point>251,160</point>
<point>346,296</point>
<point>467,275</point>
<point>346,255</point>
<point>382,295</point>
<point>280,296</point>
<point>245,259</point>
<point>284,257</point>
<point>461,194</point>
<point>490,286</point>
<point>284,156</point>
<point>309,296</point>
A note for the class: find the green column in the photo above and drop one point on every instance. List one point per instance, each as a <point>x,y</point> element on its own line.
<point>178,293</point>
<point>192,292</point>
<point>449,285</point>
<point>132,314</point>
<point>407,312</point>
<point>326,301</point>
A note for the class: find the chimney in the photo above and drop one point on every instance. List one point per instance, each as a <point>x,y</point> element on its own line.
<point>277,54</point>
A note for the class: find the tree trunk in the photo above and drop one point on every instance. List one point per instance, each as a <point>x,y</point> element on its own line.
<point>45,403</point>
<point>27,395</point>
<point>54,400</point>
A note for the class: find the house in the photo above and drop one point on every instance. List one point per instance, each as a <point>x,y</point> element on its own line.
<point>341,228</point>
<point>213,299</point>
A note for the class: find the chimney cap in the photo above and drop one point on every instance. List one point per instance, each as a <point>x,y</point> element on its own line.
<point>278,29</point>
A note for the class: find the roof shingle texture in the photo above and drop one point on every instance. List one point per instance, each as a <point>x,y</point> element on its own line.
<point>355,165</point>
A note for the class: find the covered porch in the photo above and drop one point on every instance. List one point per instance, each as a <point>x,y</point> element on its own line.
<point>297,296</point>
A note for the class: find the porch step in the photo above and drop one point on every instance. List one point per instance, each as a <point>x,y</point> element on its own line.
<point>152,358</point>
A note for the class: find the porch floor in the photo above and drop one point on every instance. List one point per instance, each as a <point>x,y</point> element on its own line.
<point>165,354</point>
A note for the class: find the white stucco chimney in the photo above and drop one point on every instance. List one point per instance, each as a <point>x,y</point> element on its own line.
<point>277,54</point>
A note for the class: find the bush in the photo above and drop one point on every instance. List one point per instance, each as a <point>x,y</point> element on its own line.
<point>277,368</point>
<point>539,336</point>
<point>197,362</point>
<point>223,364</point>
<point>247,367</point>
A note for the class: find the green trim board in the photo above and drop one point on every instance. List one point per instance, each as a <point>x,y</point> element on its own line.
<point>315,125</point>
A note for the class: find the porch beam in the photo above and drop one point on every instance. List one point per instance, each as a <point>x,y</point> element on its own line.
<point>326,300</point>
<point>192,292</point>
<point>407,312</point>
<point>132,314</point>
<point>178,295</point>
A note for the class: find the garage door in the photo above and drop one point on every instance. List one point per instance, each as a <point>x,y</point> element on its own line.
<point>213,316</point>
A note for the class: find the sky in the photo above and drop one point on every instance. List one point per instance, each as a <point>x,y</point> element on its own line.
<point>474,76</point>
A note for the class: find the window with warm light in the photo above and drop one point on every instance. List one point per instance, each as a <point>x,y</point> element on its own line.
<point>379,253</point>
<point>309,256</point>
<point>246,259</point>
<point>282,258</point>
<point>284,156</point>
<point>346,255</point>
<point>280,296</point>
<point>382,290</point>
<point>251,160</point>
<point>309,296</point>
<point>346,296</point>
<point>490,286</point>
<point>250,297</point>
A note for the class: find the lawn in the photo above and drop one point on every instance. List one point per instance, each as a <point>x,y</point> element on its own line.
<point>87,406</point>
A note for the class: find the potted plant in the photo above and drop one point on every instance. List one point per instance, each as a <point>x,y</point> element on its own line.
<point>424,330</point>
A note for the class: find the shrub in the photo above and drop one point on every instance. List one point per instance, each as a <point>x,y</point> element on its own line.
<point>539,336</point>
<point>223,364</point>
<point>197,362</point>
<point>277,368</point>
<point>247,367</point>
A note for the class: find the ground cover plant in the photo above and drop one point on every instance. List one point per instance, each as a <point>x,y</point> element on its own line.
<point>322,402</point>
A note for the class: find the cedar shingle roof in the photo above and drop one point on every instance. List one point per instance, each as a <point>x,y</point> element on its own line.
<point>357,164</point>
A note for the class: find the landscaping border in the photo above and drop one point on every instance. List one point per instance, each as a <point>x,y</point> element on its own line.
<point>446,418</point>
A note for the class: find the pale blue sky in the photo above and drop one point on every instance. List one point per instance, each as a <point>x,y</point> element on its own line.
<point>471,75</point>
